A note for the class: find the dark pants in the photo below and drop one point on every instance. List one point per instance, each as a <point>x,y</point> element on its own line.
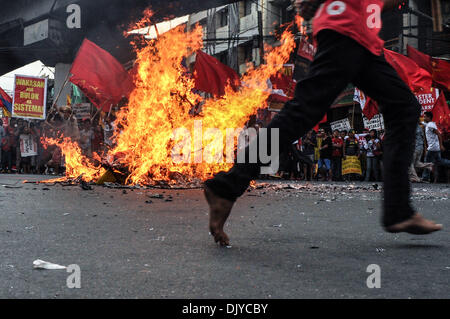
<point>336,168</point>
<point>6,159</point>
<point>338,62</point>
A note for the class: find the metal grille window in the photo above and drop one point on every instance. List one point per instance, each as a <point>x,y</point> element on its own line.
<point>223,18</point>
<point>247,7</point>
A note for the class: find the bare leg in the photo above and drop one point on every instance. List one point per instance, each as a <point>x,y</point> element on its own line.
<point>415,225</point>
<point>219,210</point>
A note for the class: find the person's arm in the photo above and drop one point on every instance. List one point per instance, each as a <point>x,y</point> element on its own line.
<point>441,145</point>
<point>378,145</point>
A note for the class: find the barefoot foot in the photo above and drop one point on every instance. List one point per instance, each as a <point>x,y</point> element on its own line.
<point>219,210</point>
<point>416,225</point>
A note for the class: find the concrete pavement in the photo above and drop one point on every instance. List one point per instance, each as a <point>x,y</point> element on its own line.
<point>315,241</point>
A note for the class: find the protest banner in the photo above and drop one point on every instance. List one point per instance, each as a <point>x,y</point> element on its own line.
<point>82,111</point>
<point>376,123</point>
<point>341,125</point>
<point>28,146</point>
<point>351,165</point>
<point>306,50</point>
<point>30,97</point>
<point>428,100</point>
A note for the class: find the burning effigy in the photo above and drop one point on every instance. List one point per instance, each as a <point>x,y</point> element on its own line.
<point>160,141</point>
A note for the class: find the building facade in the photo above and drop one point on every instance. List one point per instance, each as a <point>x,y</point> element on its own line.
<point>235,33</point>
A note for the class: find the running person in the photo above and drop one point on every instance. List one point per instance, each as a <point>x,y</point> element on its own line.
<point>349,51</point>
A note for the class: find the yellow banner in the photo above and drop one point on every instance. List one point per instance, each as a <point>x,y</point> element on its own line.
<point>351,165</point>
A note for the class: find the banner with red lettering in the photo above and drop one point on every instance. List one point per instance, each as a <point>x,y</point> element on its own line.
<point>306,49</point>
<point>30,97</point>
<point>428,99</point>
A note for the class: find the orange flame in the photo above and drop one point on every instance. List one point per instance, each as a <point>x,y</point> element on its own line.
<point>299,23</point>
<point>161,104</point>
<point>77,165</point>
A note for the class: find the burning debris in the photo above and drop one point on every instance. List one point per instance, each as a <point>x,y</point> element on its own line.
<point>159,116</point>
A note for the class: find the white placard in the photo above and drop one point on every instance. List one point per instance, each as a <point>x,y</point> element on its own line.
<point>376,123</point>
<point>28,146</point>
<point>82,110</point>
<point>341,125</point>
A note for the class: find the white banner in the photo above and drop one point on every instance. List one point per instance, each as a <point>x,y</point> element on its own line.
<point>28,146</point>
<point>376,123</point>
<point>82,111</point>
<point>341,125</point>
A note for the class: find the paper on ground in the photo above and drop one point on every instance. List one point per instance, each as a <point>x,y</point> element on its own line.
<point>40,264</point>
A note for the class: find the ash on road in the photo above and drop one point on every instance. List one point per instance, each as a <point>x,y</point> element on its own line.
<point>289,240</point>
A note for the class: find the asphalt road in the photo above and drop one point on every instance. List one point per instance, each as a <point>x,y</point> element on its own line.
<point>312,242</point>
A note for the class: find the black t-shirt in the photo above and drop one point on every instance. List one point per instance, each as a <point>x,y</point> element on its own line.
<point>351,147</point>
<point>326,152</point>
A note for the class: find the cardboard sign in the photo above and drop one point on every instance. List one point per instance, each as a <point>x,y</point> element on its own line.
<point>341,125</point>
<point>376,123</point>
<point>28,146</point>
<point>82,110</point>
<point>30,97</point>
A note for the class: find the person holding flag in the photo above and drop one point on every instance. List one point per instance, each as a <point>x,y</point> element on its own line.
<point>349,51</point>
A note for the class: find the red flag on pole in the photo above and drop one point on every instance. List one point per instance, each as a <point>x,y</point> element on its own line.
<point>324,120</point>
<point>438,68</point>
<point>441,114</point>
<point>211,76</point>
<point>441,72</point>
<point>423,60</point>
<point>100,76</point>
<point>414,76</point>
<point>369,106</point>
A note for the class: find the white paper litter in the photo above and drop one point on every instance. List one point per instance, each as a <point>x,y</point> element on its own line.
<point>40,264</point>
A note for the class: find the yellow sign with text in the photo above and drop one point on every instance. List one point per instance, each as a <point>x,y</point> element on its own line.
<point>351,165</point>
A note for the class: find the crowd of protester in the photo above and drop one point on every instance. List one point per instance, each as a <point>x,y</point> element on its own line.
<point>92,135</point>
<point>318,155</point>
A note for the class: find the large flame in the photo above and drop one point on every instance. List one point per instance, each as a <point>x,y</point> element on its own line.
<point>77,165</point>
<point>162,104</point>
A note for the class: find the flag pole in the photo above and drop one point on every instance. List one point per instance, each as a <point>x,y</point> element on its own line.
<point>110,108</point>
<point>92,118</point>
<point>353,115</point>
<point>58,95</point>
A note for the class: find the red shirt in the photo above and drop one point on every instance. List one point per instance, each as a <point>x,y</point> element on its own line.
<point>357,19</point>
<point>337,151</point>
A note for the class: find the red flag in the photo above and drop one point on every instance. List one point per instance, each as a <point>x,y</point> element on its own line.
<point>441,114</point>
<point>371,108</point>
<point>423,60</point>
<point>441,72</point>
<point>211,76</point>
<point>316,128</point>
<point>415,77</point>
<point>438,68</point>
<point>100,76</point>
